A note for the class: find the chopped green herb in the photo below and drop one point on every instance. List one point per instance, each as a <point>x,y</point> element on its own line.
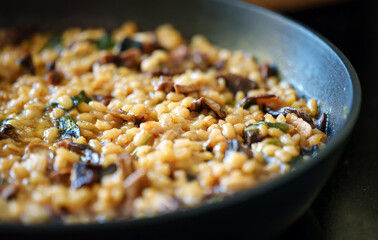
<point>282,126</point>
<point>54,42</point>
<point>249,103</point>
<point>275,141</point>
<point>144,142</point>
<point>105,42</point>
<point>54,105</point>
<point>81,97</point>
<point>67,127</point>
<point>345,112</point>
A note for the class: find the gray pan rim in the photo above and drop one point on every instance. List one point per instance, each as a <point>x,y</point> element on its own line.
<point>336,141</point>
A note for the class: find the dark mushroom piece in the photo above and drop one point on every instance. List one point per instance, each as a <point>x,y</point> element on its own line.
<point>50,65</point>
<point>54,77</point>
<point>88,154</point>
<point>134,185</point>
<point>267,71</point>
<point>258,99</point>
<point>199,104</point>
<point>7,131</point>
<point>126,164</point>
<point>85,174</point>
<point>61,176</point>
<point>26,63</point>
<point>9,191</point>
<point>237,83</point>
<point>104,99</point>
<point>233,145</point>
<point>185,89</point>
<point>137,120</point>
<point>130,58</point>
<point>164,86</point>
<point>321,122</point>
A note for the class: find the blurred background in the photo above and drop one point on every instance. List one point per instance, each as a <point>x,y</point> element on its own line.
<point>347,207</point>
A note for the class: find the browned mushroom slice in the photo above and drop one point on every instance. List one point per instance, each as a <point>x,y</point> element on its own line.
<point>164,86</point>
<point>129,117</point>
<point>122,114</point>
<point>198,104</point>
<point>85,174</point>
<point>131,58</point>
<point>237,83</point>
<point>134,184</point>
<point>26,63</point>
<point>104,99</point>
<point>111,58</point>
<point>185,89</point>
<point>258,99</point>
<point>54,77</point>
<point>233,145</point>
<point>126,164</point>
<point>9,191</point>
<point>267,71</point>
<point>321,122</point>
<point>88,154</point>
<point>8,131</point>
<point>61,176</point>
<point>301,114</point>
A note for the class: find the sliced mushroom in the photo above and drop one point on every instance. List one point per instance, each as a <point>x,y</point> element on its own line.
<point>26,63</point>
<point>9,191</point>
<point>164,86</point>
<point>233,145</point>
<point>85,174</point>
<point>252,136</point>
<point>54,77</point>
<point>104,99</point>
<point>89,155</point>
<point>267,71</point>
<point>8,131</point>
<point>61,176</point>
<point>237,83</point>
<point>126,164</point>
<point>134,185</point>
<point>258,99</point>
<point>185,89</point>
<point>321,122</point>
<point>130,58</point>
<point>198,104</point>
<point>129,117</point>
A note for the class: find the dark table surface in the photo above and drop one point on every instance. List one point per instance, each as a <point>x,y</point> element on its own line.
<point>347,207</point>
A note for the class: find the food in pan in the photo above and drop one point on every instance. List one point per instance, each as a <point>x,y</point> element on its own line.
<point>98,126</point>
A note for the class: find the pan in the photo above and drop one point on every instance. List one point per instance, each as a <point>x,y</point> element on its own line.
<point>314,66</point>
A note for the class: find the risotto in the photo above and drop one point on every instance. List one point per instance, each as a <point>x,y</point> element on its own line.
<point>98,126</point>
